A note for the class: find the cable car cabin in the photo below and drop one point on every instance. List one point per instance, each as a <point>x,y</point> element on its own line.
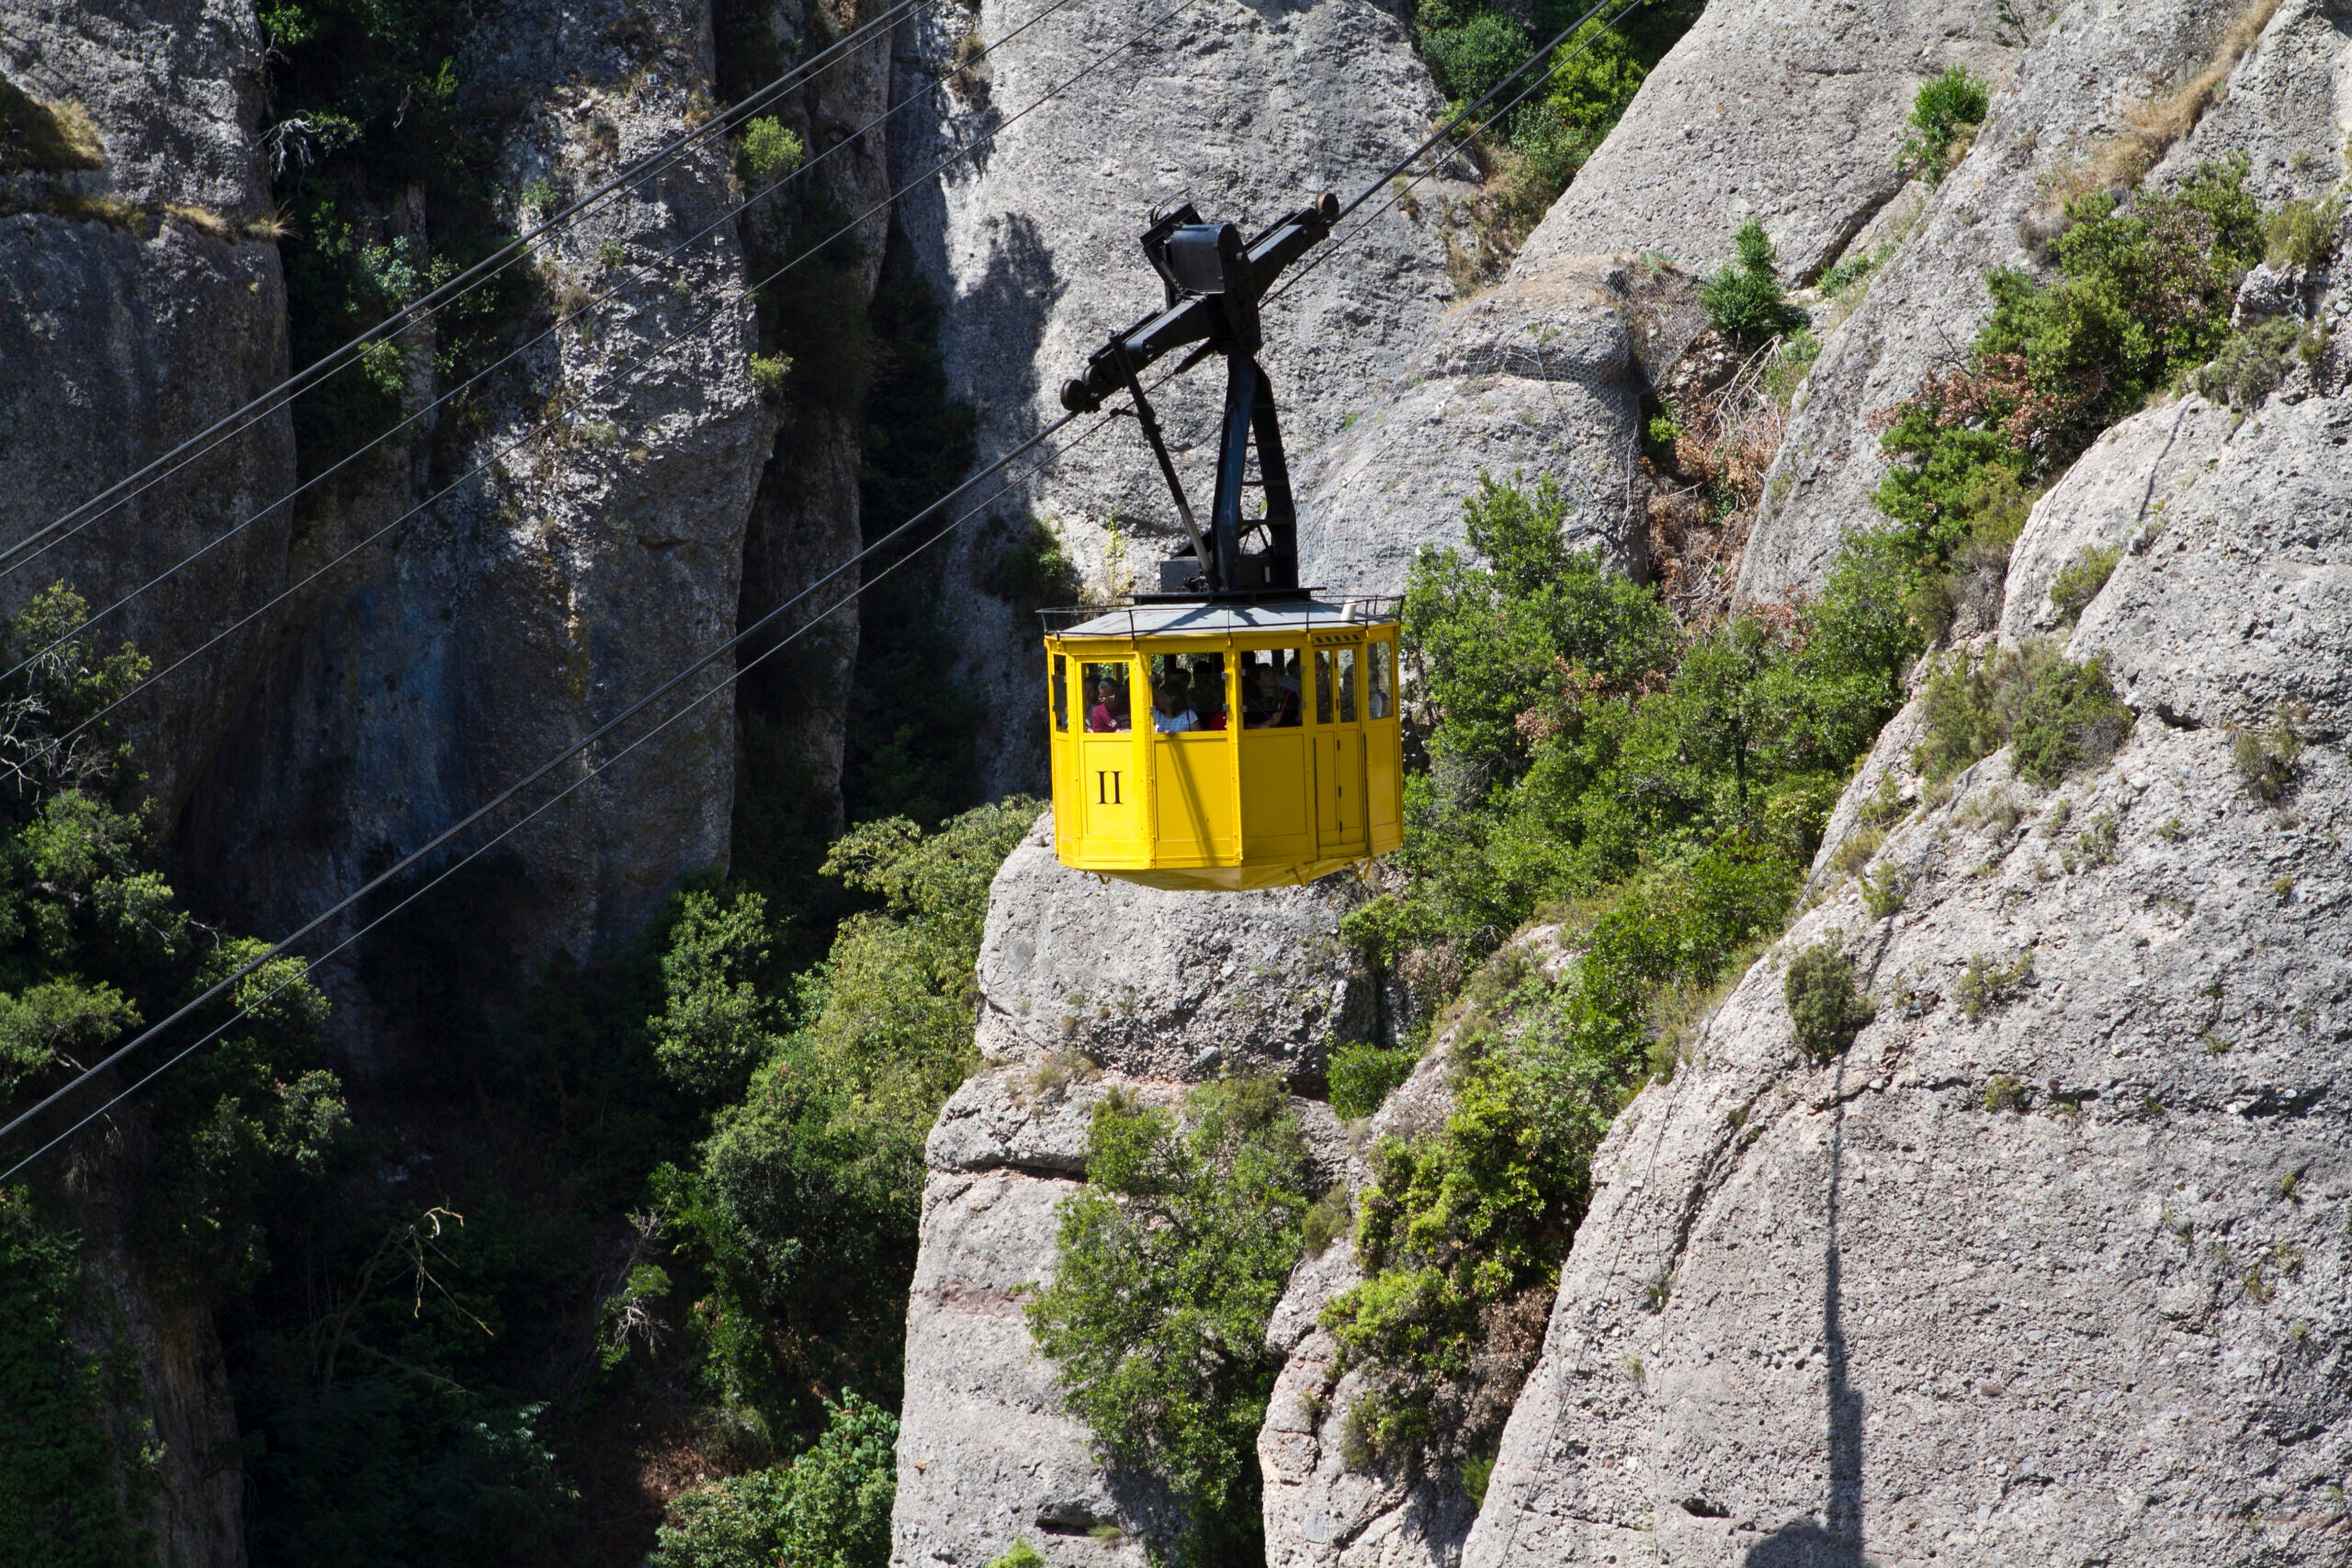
<point>1231,730</point>
<point>1226,745</point>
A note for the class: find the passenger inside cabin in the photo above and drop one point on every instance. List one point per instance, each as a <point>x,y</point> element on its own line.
<point>1269,704</point>
<point>1109,712</point>
<point>1208,695</point>
<point>1172,713</point>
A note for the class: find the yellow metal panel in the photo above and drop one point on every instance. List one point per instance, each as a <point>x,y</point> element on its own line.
<point>1194,805</point>
<point>1276,782</point>
<point>1339,790</point>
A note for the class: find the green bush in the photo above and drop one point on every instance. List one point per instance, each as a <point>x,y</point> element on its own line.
<point>2250,365</point>
<point>805,1206</point>
<point>767,149</point>
<point>1745,300</point>
<point>2055,715</point>
<point>1362,1075</point>
<point>1167,1264</point>
<point>2265,758</point>
<point>771,373</point>
<point>2079,580</point>
<point>829,1508</point>
<point>1019,1554</point>
<point>1824,1006</point>
<point>2303,233</point>
<point>1944,117</point>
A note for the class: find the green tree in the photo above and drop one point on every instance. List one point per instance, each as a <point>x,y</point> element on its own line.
<point>1168,1266</point>
<point>1746,300</point>
<point>829,1508</point>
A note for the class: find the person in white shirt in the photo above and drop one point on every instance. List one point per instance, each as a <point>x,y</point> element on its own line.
<point>1170,715</point>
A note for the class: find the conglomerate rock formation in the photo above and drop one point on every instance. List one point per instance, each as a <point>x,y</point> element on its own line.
<point>2053,1258</point>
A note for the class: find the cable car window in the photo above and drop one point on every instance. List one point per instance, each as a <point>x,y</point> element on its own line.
<point>1379,698</point>
<point>1335,671</point>
<point>1107,709</point>
<point>1187,692</point>
<point>1061,693</point>
<point>1271,684</point>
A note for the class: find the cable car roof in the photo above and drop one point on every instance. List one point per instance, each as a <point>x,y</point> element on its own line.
<point>1221,619</point>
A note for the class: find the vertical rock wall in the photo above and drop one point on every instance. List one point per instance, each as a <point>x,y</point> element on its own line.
<point>531,604</point>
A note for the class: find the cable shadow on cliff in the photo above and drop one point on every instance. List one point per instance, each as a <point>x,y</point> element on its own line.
<point>1834,1539</point>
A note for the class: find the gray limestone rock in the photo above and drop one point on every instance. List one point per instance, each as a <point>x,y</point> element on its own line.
<point>2049,1263</point>
<point>1543,375</point>
<point>1031,249</point>
<point>2081,96</point>
<point>126,334</point>
<point>594,558</point>
<point>1153,983</point>
<point>1788,114</point>
<point>987,1454</point>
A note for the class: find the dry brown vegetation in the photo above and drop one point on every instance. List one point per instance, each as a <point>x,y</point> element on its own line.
<point>2156,124</point>
<point>50,138</point>
<point>1708,481</point>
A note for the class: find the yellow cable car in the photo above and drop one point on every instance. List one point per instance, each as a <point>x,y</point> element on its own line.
<point>1230,731</point>
<point>1227,745</point>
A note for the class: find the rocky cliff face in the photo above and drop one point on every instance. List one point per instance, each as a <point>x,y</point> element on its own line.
<point>2048,1257</point>
<point>1086,986</point>
<point>415,681</point>
<point>136,309</point>
<point>2104,86</point>
<point>1032,248</point>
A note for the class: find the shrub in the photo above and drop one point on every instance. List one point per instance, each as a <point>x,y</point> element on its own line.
<point>2303,233</point>
<point>1824,1006</point>
<point>1987,982</point>
<point>1944,117</point>
<point>2250,365</point>
<point>769,374</point>
<point>1019,1554</point>
<point>767,149</point>
<point>2079,580</point>
<point>1745,301</point>
<point>1331,1218</point>
<point>830,1508</point>
<point>2003,1092</point>
<point>1167,1264</point>
<point>1361,1076</point>
<point>2055,715</point>
<point>2265,758</point>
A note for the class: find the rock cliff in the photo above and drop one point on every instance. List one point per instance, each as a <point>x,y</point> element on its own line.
<point>1248,113</point>
<point>1085,987</point>
<point>2106,88</point>
<point>2053,1253</point>
<point>415,681</point>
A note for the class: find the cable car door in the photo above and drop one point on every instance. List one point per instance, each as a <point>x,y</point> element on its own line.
<point>1109,791</point>
<point>1339,752</point>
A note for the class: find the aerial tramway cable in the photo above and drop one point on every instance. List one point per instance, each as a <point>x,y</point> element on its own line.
<point>603,731</point>
<point>545,425</point>
<point>426,306</point>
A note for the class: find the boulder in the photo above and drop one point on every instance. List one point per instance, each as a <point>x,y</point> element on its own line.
<point>1543,375</point>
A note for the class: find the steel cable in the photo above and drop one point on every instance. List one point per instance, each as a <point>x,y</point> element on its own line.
<point>543,427</point>
<point>426,307</point>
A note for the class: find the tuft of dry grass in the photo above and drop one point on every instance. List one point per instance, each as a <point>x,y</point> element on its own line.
<point>2156,124</point>
<point>270,226</point>
<point>112,210</point>
<point>203,219</point>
